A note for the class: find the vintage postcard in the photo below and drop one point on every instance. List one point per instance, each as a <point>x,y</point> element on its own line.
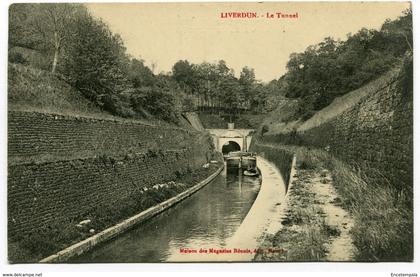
<point>210,132</point>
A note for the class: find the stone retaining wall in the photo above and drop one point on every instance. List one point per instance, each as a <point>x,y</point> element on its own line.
<point>61,167</point>
<point>375,135</point>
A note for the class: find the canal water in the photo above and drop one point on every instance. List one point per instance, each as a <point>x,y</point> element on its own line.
<point>205,220</point>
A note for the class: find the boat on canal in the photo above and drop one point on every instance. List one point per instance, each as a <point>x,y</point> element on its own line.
<point>251,172</point>
<point>242,161</point>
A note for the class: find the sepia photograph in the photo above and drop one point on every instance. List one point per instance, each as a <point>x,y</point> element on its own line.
<point>209,132</point>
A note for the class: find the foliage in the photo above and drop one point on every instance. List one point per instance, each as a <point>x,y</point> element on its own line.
<point>116,105</point>
<point>35,89</point>
<point>83,51</point>
<point>94,60</point>
<point>20,31</point>
<point>139,74</point>
<point>157,101</point>
<point>215,87</point>
<point>333,67</point>
<point>383,216</point>
<point>264,130</point>
<point>44,27</point>
<point>16,57</point>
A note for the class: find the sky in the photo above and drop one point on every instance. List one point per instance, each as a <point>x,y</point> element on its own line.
<point>164,33</point>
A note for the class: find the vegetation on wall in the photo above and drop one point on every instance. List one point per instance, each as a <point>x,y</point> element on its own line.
<point>54,236</point>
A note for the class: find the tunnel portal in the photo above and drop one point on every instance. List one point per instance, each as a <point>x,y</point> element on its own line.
<point>230,146</point>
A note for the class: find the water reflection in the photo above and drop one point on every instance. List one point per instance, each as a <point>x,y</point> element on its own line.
<point>206,219</point>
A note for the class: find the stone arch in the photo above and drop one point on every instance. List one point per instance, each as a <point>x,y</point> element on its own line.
<point>230,146</point>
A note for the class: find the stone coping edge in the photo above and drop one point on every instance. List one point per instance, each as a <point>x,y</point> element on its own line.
<point>292,174</point>
<point>111,232</point>
<point>284,204</point>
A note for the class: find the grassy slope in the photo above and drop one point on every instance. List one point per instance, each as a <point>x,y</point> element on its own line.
<point>342,103</point>
<point>279,121</point>
<point>383,218</point>
<point>33,89</point>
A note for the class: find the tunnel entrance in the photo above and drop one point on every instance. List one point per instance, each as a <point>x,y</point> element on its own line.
<point>229,147</point>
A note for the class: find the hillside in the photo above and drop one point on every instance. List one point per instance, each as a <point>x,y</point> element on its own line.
<point>365,138</point>
<point>36,90</point>
<point>281,120</point>
<point>342,103</point>
<point>242,121</point>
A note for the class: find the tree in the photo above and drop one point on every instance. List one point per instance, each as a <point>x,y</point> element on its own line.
<point>183,72</point>
<point>158,102</point>
<point>230,93</point>
<point>53,23</point>
<point>247,82</point>
<point>95,61</point>
<point>140,75</point>
<point>400,30</point>
<point>332,68</point>
<point>20,27</point>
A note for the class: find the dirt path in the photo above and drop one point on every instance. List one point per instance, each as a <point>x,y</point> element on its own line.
<point>340,248</point>
<point>314,227</point>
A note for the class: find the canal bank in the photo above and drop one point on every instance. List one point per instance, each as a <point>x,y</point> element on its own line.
<point>263,219</point>
<point>265,215</point>
<point>227,220</point>
<point>67,169</point>
<point>109,233</point>
<point>204,221</point>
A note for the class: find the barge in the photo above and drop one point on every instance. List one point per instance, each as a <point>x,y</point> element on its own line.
<point>241,161</point>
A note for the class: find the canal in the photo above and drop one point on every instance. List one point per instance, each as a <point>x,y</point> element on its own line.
<point>206,220</point>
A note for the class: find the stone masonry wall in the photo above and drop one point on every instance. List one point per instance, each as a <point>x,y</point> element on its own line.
<point>282,158</point>
<point>62,137</point>
<point>375,135</point>
<point>54,192</point>
<point>56,175</point>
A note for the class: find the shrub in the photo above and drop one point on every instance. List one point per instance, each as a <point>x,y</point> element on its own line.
<point>159,103</point>
<point>306,159</point>
<point>15,57</point>
<point>115,105</point>
<point>264,130</point>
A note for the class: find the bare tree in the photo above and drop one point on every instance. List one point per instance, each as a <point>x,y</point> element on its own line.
<point>53,22</point>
